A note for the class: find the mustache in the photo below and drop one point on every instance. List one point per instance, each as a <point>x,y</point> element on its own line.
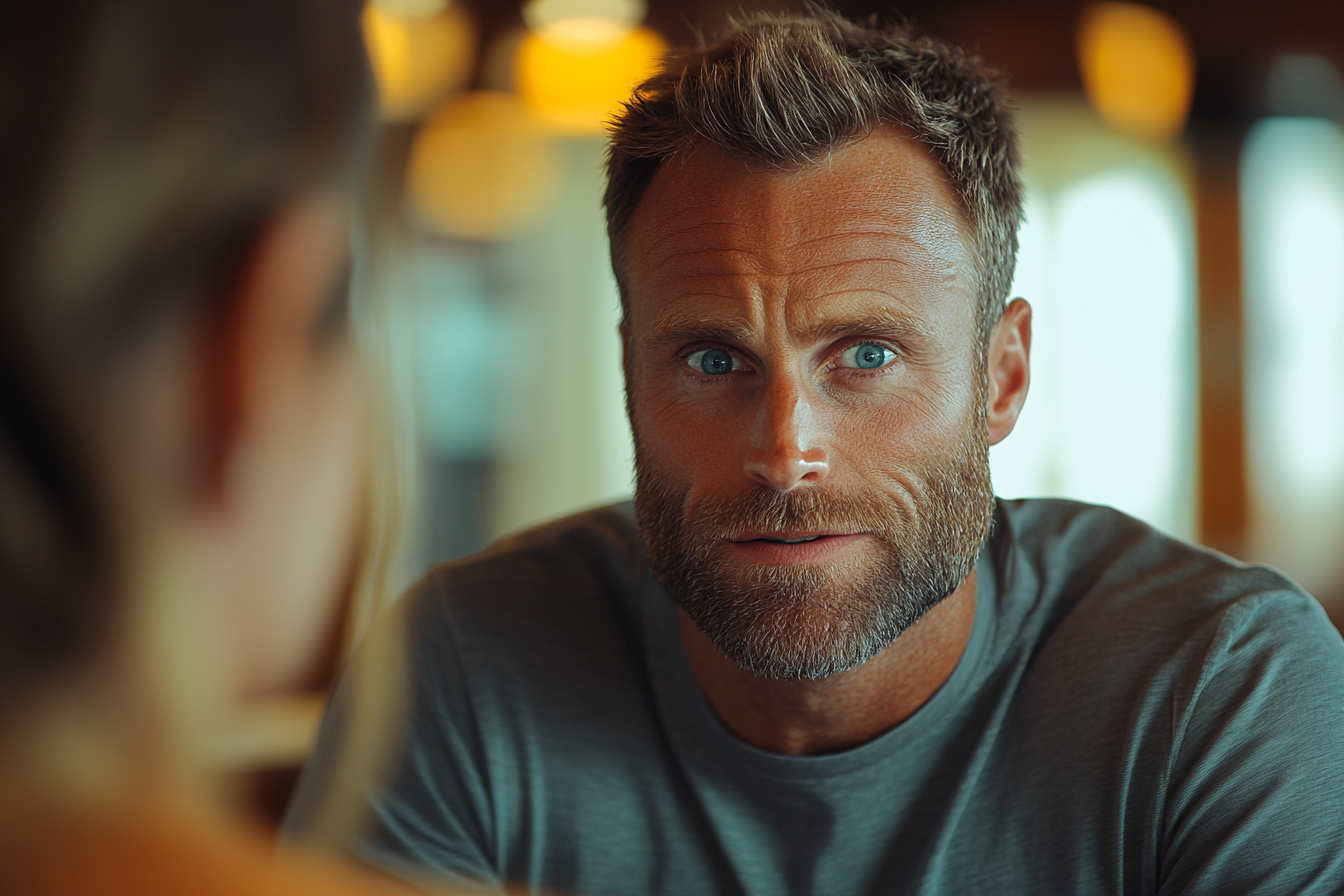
<point>803,509</point>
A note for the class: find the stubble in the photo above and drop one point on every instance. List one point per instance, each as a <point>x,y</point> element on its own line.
<point>810,621</point>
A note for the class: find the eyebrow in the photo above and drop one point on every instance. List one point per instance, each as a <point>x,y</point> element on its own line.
<point>675,327</point>
<point>882,322</point>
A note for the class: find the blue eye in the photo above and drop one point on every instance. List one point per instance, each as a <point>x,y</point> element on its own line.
<point>866,356</point>
<point>711,362</point>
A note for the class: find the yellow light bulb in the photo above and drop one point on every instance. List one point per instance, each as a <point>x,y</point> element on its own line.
<point>417,60</point>
<point>575,77</point>
<point>1137,68</point>
<point>481,168</point>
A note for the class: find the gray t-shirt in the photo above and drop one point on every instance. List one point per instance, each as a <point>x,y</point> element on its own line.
<point>1131,715</point>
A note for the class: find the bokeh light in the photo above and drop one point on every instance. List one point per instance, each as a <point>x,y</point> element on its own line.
<point>575,78</point>
<point>420,51</point>
<point>482,169</point>
<point>1137,68</point>
<point>411,9</point>
<point>597,22</point>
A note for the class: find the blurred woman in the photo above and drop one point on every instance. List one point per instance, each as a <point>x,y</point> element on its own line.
<point>181,419</point>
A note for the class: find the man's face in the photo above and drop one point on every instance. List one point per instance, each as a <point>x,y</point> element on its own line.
<point>807,398</point>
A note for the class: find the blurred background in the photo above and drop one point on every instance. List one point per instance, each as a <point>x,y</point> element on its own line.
<point>1184,252</point>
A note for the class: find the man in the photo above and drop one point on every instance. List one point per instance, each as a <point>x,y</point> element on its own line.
<point>820,658</point>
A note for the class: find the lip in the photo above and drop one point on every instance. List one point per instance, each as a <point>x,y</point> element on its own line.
<point>789,535</point>
<point>824,547</point>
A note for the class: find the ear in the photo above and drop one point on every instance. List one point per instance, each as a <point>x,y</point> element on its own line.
<point>1009,369</point>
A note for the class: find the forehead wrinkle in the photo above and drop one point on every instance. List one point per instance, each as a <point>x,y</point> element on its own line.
<point>932,248</point>
<point>711,248</point>
<point>669,234</point>
<point>746,239</point>
<point>686,218</point>
<point>791,260</point>
<point>744,253</point>
<point>854,262</point>
<point>901,280</point>
<point>722,253</point>
<point>714,262</point>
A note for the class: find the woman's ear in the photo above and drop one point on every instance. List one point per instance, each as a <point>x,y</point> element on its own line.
<point>1009,369</point>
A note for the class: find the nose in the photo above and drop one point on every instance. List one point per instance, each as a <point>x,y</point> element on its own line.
<point>788,447</point>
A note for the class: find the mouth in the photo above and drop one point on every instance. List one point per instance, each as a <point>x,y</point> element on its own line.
<point>785,537</point>
<point>794,548</point>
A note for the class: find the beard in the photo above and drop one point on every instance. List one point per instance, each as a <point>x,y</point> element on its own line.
<point>809,621</point>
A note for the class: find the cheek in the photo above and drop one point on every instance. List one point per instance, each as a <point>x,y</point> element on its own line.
<point>338,459</point>
<point>307,526</point>
<point>688,437</point>
<point>886,435</point>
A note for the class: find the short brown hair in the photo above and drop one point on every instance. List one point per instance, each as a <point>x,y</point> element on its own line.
<point>786,89</point>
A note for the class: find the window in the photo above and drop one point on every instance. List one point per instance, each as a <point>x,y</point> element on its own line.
<point>1106,263</point>
<point>1293,224</point>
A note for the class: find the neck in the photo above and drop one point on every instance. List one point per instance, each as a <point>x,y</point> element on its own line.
<point>802,718</point>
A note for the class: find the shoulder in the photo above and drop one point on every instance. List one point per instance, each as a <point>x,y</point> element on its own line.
<point>1198,696</point>
<point>1113,612</point>
<point>525,674</point>
<point>606,528</point>
<point>573,561</point>
<point>601,537</point>
<point>564,595</point>
<point>1089,558</point>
